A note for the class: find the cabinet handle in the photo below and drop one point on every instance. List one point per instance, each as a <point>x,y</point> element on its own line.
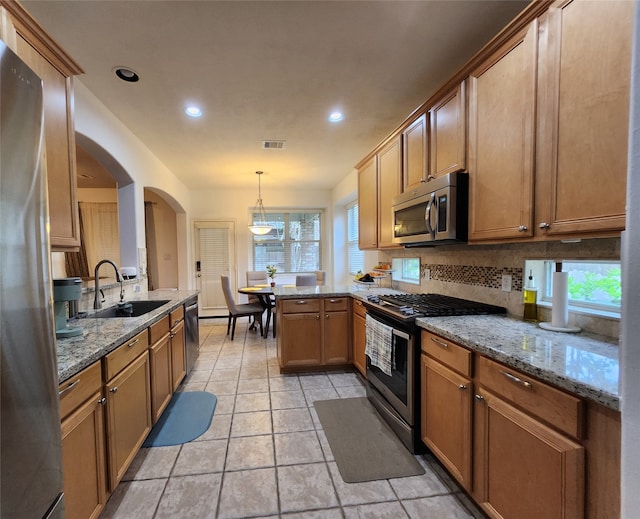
<point>544,225</point>
<point>522,228</point>
<point>317,317</point>
<point>176,323</point>
<point>114,389</point>
<point>359,303</point>
<point>517,380</point>
<point>301,302</point>
<point>430,177</point>
<point>132,343</point>
<point>479,398</point>
<point>440,343</point>
<point>333,300</point>
<point>102,401</point>
<point>327,316</point>
<point>172,335</point>
<point>462,387</point>
<point>69,387</point>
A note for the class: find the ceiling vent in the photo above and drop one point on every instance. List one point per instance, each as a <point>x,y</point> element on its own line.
<point>272,145</point>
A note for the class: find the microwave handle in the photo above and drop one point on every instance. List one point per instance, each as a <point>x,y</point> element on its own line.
<point>427,213</point>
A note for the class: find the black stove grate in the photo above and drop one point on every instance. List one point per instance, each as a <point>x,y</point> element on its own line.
<point>438,305</point>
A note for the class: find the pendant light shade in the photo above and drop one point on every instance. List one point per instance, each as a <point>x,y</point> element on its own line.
<point>258,224</point>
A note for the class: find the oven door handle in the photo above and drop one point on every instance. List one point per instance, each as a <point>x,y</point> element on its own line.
<point>403,335</point>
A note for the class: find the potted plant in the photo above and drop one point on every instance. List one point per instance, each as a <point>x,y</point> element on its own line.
<point>271,272</point>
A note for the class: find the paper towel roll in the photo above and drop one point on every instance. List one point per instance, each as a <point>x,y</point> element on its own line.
<point>560,300</point>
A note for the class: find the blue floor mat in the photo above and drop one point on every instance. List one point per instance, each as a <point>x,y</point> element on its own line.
<point>187,416</point>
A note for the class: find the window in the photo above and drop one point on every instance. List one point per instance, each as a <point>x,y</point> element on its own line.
<point>293,245</point>
<point>593,285</point>
<point>406,269</point>
<point>355,259</point>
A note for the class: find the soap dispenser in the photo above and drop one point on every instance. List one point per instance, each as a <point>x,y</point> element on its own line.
<point>530,300</point>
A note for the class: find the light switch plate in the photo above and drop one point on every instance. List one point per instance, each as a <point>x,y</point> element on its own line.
<point>506,283</point>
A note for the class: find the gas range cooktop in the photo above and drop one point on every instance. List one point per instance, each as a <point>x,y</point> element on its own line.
<point>409,306</point>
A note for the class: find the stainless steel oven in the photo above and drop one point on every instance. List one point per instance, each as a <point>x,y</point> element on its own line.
<point>396,395</point>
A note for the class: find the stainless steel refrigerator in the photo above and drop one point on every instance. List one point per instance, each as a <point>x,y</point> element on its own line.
<point>30,455</point>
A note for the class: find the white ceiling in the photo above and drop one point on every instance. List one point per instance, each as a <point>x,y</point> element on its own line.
<point>268,70</point>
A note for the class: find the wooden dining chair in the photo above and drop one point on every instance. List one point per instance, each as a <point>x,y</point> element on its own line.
<point>306,280</point>
<point>235,310</point>
<point>255,277</point>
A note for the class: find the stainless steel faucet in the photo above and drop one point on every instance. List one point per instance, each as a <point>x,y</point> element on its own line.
<point>97,301</point>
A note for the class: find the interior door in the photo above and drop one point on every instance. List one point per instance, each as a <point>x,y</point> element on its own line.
<point>215,250</point>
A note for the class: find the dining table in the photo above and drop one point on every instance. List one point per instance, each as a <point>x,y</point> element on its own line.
<point>264,293</point>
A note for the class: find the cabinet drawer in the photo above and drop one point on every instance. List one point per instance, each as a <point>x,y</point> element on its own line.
<point>78,388</point>
<point>176,316</point>
<point>359,309</point>
<point>158,330</point>
<point>300,306</point>
<point>557,408</point>
<point>123,355</point>
<point>447,352</point>
<point>336,304</point>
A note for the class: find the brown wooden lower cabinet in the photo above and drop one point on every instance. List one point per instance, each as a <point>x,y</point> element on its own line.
<point>178,354</point>
<point>161,376</point>
<point>359,337</point>
<point>524,469</point>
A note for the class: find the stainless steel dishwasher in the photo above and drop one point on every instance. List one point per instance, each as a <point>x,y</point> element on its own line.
<point>192,336</point>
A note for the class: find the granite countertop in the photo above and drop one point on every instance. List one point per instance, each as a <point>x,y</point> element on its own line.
<point>358,291</point>
<point>100,336</point>
<point>582,363</point>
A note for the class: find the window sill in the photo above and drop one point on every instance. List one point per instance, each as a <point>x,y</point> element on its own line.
<point>615,316</point>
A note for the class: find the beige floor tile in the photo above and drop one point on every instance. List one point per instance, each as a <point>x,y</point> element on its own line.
<point>249,402</point>
<point>201,458</point>
<point>219,429</point>
<point>305,487</point>
<point>428,484</point>
<point>248,493</point>
<point>287,400</point>
<point>204,364</point>
<point>222,387</point>
<point>199,376</point>
<point>256,372</point>
<point>284,383</point>
<point>251,424</point>
<point>360,493</point>
<point>220,373</point>
<point>297,447</point>
<point>193,386</point>
<point>253,385</point>
<point>225,404</point>
<point>324,443</point>
<point>320,393</point>
<point>330,513</point>
<point>345,379</point>
<point>352,391</point>
<point>152,463</point>
<point>250,452</point>
<point>314,381</point>
<point>291,420</point>
<point>190,496</point>
<point>391,510</point>
<point>438,506</point>
<point>137,499</point>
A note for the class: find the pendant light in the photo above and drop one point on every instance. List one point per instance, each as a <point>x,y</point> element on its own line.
<point>258,224</point>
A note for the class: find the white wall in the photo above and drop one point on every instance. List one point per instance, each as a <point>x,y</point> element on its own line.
<point>94,121</point>
<point>236,205</point>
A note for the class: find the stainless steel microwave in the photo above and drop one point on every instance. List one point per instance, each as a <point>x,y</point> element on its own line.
<point>433,213</point>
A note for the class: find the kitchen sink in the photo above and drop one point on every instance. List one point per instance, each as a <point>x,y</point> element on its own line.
<point>137,309</point>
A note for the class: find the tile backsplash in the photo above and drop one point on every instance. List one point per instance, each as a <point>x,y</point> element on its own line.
<point>475,272</point>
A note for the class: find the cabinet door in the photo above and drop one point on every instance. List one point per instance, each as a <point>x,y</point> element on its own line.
<point>415,152</point>
<point>446,418</point>
<point>84,460</point>
<point>501,141</point>
<point>301,342</point>
<point>585,56</point>
<point>389,185</point>
<point>60,143</point>
<point>359,337</point>
<point>336,338</point>
<point>447,133</point>
<point>161,376</point>
<point>128,416</point>
<point>368,205</point>
<point>524,469</point>
<point>178,355</point>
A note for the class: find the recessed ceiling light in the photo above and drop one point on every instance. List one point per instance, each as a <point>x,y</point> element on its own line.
<point>193,111</point>
<point>336,117</point>
<point>126,74</point>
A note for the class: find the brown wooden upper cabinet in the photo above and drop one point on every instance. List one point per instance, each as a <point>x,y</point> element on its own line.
<point>447,141</point>
<point>583,107</point>
<point>56,69</point>
<point>570,155</point>
<point>501,140</point>
<point>368,205</point>
<point>389,185</point>
<point>415,152</point>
